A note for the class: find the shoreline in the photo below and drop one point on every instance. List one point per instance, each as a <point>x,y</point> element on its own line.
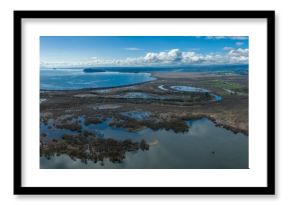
<point>155,74</point>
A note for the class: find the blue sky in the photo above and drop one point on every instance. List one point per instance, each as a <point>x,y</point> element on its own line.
<point>82,51</point>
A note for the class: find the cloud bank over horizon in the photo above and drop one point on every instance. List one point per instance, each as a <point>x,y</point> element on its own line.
<point>172,57</point>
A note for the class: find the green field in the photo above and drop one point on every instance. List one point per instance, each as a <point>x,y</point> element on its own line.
<point>225,85</point>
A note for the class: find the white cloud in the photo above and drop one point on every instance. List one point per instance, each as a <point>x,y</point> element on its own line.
<point>239,55</point>
<point>132,49</point>
<point>228,48</point>
<point>194,49</point>
<point>239,52</point>
<point>239,43</point>
<point>241,38</point>
<point>171,57</point>
<point>191,57</point>
<point>216,37</point>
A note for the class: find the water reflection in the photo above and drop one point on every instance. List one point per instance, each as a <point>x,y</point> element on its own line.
<point>204,146</point>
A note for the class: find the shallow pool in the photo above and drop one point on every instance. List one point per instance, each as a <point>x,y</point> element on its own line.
<point>189,89</point>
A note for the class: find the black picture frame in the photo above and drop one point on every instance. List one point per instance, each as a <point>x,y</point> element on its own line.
<point>269,189</point>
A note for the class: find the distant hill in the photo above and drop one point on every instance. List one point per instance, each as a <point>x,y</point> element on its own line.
<point>239,69</point>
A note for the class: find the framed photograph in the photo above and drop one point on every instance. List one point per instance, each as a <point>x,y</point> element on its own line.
<point>144,102</point>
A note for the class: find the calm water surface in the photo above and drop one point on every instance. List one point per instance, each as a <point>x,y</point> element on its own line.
<point>71,79</point>
<point>204,146</point>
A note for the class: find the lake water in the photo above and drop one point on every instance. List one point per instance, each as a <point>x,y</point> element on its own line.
<point>217,98</point>
<point>189,89</point>
<point>71,79</point>
<point>204,146</point>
